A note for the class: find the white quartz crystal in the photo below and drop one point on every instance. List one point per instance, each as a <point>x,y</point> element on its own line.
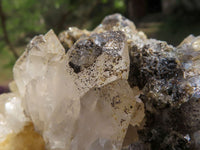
<point>34,61</point>
<point>12,117</point>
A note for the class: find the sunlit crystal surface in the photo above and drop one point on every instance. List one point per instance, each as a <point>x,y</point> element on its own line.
<point>12,117</point>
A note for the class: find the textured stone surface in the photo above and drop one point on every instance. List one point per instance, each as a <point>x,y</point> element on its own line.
<point>70,36</point>
<point>169,79</point>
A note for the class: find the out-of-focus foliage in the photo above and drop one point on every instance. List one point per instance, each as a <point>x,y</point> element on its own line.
<point>26,18</point>
<point>22,19</point>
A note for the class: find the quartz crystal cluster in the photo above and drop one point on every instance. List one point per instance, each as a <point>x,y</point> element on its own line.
<point>106,89</point>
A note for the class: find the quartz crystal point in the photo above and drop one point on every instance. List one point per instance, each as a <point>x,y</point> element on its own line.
<point>79,100</point>
<point>12,117</point>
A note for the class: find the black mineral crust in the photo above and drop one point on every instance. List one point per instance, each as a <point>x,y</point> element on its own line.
<point>171,100</point>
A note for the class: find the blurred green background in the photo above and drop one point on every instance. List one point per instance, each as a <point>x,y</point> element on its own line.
<point>21,20</point>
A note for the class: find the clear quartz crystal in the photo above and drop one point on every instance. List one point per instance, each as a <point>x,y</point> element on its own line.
<point>87,110</point>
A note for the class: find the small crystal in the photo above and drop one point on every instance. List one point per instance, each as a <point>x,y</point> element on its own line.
<point>12,117</point>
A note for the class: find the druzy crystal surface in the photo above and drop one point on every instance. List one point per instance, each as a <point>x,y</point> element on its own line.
<point>107,89</point>
<point>12,117</point>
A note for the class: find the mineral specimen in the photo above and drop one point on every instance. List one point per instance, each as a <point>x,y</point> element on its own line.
<point>106,89</point>
<point>70,90</point>
<point>16,131</point>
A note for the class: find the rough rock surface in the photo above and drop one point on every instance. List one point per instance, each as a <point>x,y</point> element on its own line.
<point>169,79</point>
<point>70,36</point>
<point>107,89</point>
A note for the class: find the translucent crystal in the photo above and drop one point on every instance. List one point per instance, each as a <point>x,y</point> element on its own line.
<point>33,63</point>
<point>61,101</point>
<point>12,117</point>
